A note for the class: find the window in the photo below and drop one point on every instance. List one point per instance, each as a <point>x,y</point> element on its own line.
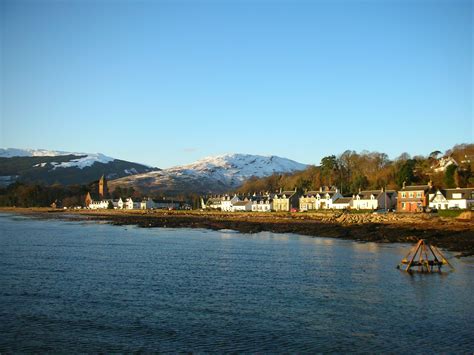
<point>457,195</point>
<point>404,194</point>
<point>418,194</point>
<point>410,194</point>
<point>403,205</point>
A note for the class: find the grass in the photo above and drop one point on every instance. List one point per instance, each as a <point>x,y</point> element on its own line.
<point>450,213</point>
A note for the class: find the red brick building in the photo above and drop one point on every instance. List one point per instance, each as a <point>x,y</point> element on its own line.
<point>414,198</point>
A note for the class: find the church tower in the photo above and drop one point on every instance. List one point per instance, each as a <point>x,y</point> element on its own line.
<point>103,187</point>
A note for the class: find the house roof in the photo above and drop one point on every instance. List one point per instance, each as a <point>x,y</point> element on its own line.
<point>343,200</point>
<point>466,193</point>
<point>320,193</point>
<point>288,194</point>
<point>241,203</point>
<point>367,193</point>
<point>417,188</point>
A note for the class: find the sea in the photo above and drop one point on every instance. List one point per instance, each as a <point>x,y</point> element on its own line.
<point>82,286</point>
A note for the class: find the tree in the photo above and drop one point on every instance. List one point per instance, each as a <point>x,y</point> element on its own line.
<point>434,155</point>
<point>449,179</point>
<point>329,168</point>
<point>405,172</point>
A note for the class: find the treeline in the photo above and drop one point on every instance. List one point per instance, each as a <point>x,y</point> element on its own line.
<point>38,195</point>
<point>20,194</point>
<point>350,171</point>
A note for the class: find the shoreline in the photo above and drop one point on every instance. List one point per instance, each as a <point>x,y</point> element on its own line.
<point>452,234</point>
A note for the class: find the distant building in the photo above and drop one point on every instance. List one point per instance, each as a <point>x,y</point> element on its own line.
<point>228,201</point>
<point>374,199</point>
<point>342,203</point>
<point>147,203</point>
<point>99,204</point>
<point>262,203</point>
<point>167,204</point>
<point>285,201</point>
<point>414,198</point>
<point>443,164</point>
<point>103,190</point>
<point>241,206</point>
<point>213,203</point>
<point>462,198</point>
<point>319,199</point>
<point>132,203</point>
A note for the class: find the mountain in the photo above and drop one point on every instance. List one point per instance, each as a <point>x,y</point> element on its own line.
<point>49,167</point>
<point>209,175</point>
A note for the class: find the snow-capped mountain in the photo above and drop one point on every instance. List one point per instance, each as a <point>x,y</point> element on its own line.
<point>211,174</point>
<point>82,160</point>
<point>51,166</point>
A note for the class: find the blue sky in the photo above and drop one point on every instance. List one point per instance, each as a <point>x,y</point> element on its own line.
<point>168,82</point>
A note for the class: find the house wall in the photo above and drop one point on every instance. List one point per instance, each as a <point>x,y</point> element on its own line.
<point>281,204</point>
<point>307,203</point>
<point>412,201</point>
<point>261,207</point>
<point>365,204</point>
<point>247,207</point>
<point>462,204</point>
<point>340,206</point>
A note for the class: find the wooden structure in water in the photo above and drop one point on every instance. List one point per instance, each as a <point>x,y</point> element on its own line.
<point>424,257</point>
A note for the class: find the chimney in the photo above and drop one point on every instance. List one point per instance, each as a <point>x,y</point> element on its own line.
<point>430,184</point>
<point>404,184</point>
<point>280,190</point>
<point>320,189</point>
<point>359,189</point>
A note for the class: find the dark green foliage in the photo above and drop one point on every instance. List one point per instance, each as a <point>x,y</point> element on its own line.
<point>35,195</point>
<point>449,179</point>
<point>405,173</point>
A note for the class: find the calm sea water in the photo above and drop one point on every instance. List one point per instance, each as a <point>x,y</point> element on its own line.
<point>88,287</point>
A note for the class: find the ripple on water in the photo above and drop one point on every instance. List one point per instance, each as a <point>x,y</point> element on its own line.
<point>101,288</point>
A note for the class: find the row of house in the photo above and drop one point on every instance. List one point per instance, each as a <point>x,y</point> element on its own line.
<point>131,203</point>
<point>415,198</point>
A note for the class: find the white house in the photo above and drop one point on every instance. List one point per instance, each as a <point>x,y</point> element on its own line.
<point>322,199</point>
<point>342,203</point>
<point>240,206</point>
<point>462,198</point>
<point>262,203</point>
<point>227,202</point>
<point>374,199</point>
<point>95,205</point>
<point>132,203</point>
<point>118,203</point>
<point>147,203</point>
<point>213,203</point>
<point>443,164</point>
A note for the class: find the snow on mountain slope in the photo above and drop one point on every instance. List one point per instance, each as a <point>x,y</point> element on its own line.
<point>14,152</point>
<point>213,174</point>
<point>50,167</point>
<point>83,160</point>
<point>88,160</point>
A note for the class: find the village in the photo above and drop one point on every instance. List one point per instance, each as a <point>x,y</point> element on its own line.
<point>411,198</point>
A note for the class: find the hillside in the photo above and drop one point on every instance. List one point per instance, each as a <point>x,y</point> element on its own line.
<point>351,171</point>
<point>209,175</point>
<point>50,167</point>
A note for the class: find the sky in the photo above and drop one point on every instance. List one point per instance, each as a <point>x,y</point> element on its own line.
<point>168,82</point>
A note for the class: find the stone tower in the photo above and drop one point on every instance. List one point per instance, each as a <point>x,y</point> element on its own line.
<point>103,187</point>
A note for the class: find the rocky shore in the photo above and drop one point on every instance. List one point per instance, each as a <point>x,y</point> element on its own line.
<point>454,234</point>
